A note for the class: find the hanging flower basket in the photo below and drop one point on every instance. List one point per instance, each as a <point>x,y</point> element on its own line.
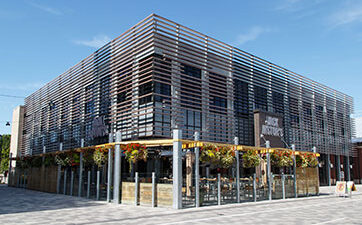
<point>49,160</point>
<point>135,152</point>
<point>301,160</point>
<point>282,158</point>
<point>209,154</point>
<point>312,160</point>
<point>23,162</point>
<point>88,157</point>
<point>251,159</point>
<point>62,159</point>
<point>222,157</point>
<point>227,157</point>
<point>36,161</point>
<point>100,156</point>
<point>306,160</point>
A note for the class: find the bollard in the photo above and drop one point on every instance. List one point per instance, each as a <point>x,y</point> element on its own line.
<point>21,180</point>
<point>109,174</point>
<point>17,180</point>
<point>254,187</point>
<point>283,185</point>
<point>117,169</point>
<point>80,181</point>
<point>10,168</point>
<point>136,189</point>
<point>197,171</point>
<point>98,181</point>
<point>294,173</point>
<point>153,189</point>
<point>88,183</point>
<point>65,181</point>
<point>269,175</point>
<point>208,182</point>
<point>236,142</point>
<point>25,181</point>
<point>109,169</point>
<point>58,178</point>
<point>218,189</point>
<point>71,183</point>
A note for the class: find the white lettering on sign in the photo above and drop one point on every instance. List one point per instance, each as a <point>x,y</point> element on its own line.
<point>99,129</point>
<point>271,127</point>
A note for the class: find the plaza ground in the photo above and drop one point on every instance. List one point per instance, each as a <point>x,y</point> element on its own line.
<point>21,206</point>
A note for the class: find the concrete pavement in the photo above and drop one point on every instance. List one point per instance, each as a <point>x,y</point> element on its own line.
<point>20,206</point>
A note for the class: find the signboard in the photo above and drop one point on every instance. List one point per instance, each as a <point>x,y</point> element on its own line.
<point>340,188</point>
<point>269,125</point>
<point>99,128</point>
<point>350,186</point>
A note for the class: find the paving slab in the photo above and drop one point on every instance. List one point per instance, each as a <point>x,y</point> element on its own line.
<point>21,206</point>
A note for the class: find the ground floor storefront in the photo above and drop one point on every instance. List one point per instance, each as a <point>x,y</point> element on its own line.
<point>333,168</point>
<point>172,173</point>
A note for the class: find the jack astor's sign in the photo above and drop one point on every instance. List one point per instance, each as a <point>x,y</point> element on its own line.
<point>99,128</point>
<point>269,125</point>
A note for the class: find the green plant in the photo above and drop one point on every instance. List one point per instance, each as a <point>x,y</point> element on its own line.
<point>99,156</point>
<point>135,152</point>
<point>36,161</point>
<point>282,158</point>
<point>49,160</point>
<point>251,159</point>
<point>62,159</point>
<point>222,157</point>
<point>88,157</point>
<point>301,160</point>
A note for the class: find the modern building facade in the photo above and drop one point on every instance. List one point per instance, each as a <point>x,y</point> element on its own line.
<point>159,75</point>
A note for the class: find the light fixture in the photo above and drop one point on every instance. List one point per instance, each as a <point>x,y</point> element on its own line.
<point>331,165</point>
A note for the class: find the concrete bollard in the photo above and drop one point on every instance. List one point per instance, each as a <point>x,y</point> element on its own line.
<point>88,184</point>
<point>58,178</point>
<point>65,181</point>
<point>136,180</point>
<point>283,185</point>
<point>153,189</point>
<point>197,171</point>
<point>71,183</point>
<point>98,183</point>
<point>254,187</point>
<point>219,189</point>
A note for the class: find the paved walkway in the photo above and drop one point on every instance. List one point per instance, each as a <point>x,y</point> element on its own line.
<point>20,206</point>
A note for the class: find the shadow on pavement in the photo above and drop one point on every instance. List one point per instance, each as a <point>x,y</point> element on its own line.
<point>17,200</point>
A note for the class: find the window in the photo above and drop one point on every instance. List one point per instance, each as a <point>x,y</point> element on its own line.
<point>145,89</point>
<point>191,71</point>
<point>217,101</point>
<point>163,89</point>
<point>260,98</point>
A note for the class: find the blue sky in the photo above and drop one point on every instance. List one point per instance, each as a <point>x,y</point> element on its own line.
<point>320,39</point>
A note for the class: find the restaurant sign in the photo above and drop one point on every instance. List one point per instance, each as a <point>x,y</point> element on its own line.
<point>268,126</point>
<point>99,128</point>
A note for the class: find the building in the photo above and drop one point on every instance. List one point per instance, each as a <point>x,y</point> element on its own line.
<point>16,147</point>
<point>159,75</point>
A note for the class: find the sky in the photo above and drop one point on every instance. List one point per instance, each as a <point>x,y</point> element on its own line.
<point>319,39</point>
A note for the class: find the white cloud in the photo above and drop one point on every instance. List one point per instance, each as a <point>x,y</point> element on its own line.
<point>297,5</point>
<point>252,34</point>
<point>288,5</point>
<point>347,15</point>
<point>46,9</point>
<point>97,41</point>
